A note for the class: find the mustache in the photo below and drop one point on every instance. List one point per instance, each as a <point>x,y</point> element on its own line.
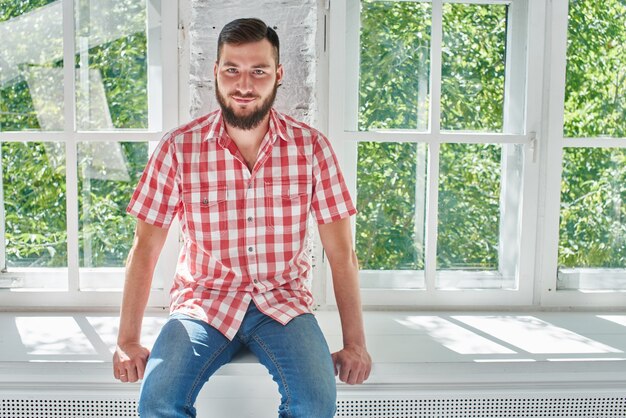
<point>245,96</point>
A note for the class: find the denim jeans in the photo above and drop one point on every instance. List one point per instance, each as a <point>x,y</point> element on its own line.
<point>189,351</point>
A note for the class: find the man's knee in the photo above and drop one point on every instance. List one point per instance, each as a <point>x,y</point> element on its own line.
<point>319,401</point>
<point>157,398</point>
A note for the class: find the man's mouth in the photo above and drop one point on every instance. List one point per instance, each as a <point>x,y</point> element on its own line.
<point>243,100</point>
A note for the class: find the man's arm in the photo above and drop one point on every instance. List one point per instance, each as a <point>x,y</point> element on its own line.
<point>352,363</point>
<point>130,357</point>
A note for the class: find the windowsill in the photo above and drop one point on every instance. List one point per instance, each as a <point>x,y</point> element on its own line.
<point>420,349</point>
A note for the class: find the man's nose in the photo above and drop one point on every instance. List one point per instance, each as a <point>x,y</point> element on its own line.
<point>245,83</point>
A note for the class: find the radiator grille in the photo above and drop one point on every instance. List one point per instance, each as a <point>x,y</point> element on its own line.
<point>68,408</point>
<point>535,407</point>
<point>370,407</point>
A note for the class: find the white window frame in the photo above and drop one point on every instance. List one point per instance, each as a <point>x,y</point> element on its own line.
<point>343,69</point>
<point>163,115</point>
<point>547,250</point>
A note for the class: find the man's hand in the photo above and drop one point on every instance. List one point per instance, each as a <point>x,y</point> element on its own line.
<point>352,364</point>
<point>129,362</point>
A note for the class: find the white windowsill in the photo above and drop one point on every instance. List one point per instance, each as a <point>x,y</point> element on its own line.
<point>427,350</point>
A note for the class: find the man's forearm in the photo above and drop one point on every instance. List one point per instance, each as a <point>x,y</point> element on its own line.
<point>136,293</point>
<point>140,265</point>
<point>347,295</point>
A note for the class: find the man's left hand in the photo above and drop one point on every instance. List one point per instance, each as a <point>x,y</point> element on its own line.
<point>352,364</point>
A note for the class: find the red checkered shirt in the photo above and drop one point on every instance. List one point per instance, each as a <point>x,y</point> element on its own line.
<point>245,233</point>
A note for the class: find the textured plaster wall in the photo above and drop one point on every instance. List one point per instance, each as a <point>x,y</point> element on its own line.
<point>295,21</point>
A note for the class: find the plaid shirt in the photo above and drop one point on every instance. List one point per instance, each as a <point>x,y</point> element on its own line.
<point>245,233</point>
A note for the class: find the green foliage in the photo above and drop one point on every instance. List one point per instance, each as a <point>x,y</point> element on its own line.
<point>33,174</point>
<point>395,38</point>
<point>394,71</point>
<point>393,94</point>
<point>106,231</point>
<point>122,62</point>
<point>10,9</point>
<point>472,70</point>
<point>469,206</point>
<point>593,213</point>
<point>386,237</point>
<point>395,65</point>
<point>595,91</point>
<point>593,196</point>
<point>34,200</point>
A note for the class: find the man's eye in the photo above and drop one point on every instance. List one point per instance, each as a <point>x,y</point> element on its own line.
<point>259,72</point>
<point>231,70</point>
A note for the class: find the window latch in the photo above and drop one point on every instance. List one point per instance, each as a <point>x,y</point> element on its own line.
<point>532,146</point>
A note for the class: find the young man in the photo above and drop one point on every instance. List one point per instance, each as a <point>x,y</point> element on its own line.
<point>242,181</point>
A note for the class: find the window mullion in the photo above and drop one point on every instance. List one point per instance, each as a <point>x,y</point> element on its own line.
<point>155,102</point>
<point>435,66</point>
<point>512,156</point>
<point>553,147</point>
<point>70,144</point>
<point>430,264</point>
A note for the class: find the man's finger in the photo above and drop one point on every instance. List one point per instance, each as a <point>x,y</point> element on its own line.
<point>141,368</point>
<point>344,373</point>
<point>335,363</point>
<point>132,374</point>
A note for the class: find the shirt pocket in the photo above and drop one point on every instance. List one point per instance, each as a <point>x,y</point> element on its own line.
<point>206,212</point>
<point>287,205</point>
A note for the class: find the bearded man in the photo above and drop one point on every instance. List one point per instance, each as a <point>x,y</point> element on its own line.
<point>243,181</point>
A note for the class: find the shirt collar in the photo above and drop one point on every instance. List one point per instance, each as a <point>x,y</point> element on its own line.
<point>277,126</point>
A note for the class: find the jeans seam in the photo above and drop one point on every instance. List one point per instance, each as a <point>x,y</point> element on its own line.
<point>207,364</point>
<point>270,355</point>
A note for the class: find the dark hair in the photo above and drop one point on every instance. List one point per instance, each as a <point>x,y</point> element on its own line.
<point>243,31</point>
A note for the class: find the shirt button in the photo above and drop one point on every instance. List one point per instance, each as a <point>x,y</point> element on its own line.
<point>255,281</point>
<point>249,218</point>
<point>250,249</point>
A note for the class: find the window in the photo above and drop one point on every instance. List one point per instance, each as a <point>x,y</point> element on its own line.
<point>470,191</point>
<point>588,194</point>
<point>437,141</point>
<point>82,103</point>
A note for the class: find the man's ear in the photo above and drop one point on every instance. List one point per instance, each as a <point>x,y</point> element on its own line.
<point>215,70</point>
<point>279,74</point>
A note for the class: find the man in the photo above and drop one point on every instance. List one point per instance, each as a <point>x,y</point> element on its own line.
<point>242,181</point>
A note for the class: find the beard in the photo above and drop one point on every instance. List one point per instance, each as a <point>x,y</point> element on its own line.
<point>250,121</point>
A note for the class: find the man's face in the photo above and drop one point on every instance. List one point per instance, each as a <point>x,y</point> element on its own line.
<point>246,80</point>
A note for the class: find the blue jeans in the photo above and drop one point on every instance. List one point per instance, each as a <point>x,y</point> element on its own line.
<point>189,351</point>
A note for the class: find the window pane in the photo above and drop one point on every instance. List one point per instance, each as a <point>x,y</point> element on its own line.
<point>593,217</point>
<point>473,62</point>
<point>108,174</point>
<point>469,209</point>
<point>394,65</point>
<point>33,179</point>
<point>391,198</point>
<point>595,98</point>
<point>31,65</point>
<point>111,62</point>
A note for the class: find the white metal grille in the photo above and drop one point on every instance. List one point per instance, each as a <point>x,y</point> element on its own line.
<point>68,408</point>
<point>371,407</point>
<point>484,407</point>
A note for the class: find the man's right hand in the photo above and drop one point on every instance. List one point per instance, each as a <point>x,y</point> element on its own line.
<point>129,362</point>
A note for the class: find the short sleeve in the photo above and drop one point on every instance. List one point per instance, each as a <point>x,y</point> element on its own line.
<point>331,200</point>
<point>156,197</point>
